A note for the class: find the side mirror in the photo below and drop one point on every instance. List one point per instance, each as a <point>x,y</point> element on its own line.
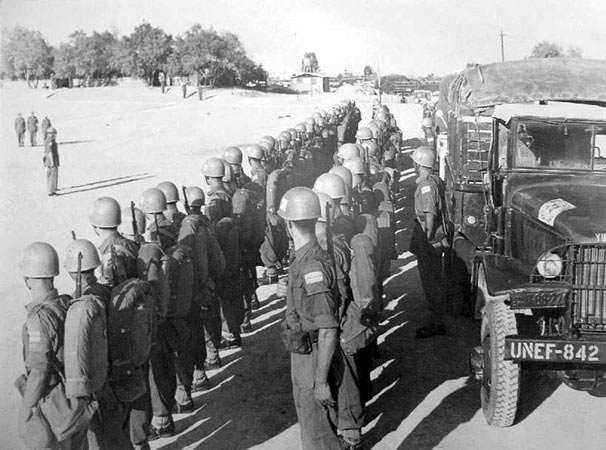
<point>486,181</point>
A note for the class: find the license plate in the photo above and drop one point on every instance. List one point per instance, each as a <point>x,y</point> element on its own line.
<point>586,352</point>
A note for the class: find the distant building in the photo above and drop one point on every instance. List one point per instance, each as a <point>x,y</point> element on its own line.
<point>309,82</point>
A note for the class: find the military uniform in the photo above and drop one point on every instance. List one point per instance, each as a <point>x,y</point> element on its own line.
<point>429,198</point>
<point>175,217</point>
<point>20,130</point>
<point>51,162</point>
<point>44,126</point>
<point>113,273</point>
<point>32,127</point>
<point>42,338</point>
<point>311,305</point>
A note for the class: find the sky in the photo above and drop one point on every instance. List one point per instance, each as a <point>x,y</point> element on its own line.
<point>393,36</point>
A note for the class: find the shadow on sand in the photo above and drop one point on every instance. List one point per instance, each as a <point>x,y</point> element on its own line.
<point>101,184</point>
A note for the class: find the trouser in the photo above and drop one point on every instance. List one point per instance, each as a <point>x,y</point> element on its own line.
<point>317,423</point>
<point>349,399</point>
<point>171,363</point>
<point>32,138</point>
<point>211,319</point>
<point>275,246</point>
<point>232,308</point>
<point>119,425</point>
<point>429,262</point>
<point>21,138</point>
<point>52,177</point>
<point>198,342</point>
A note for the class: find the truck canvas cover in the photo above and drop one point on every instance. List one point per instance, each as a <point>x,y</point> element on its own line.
<point>529,80</point>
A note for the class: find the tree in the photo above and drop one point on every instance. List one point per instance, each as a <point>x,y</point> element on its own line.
<point>26,54</point>
<point>310,63</point>
<point>368,71</point>
<point>547,49</point>
<point>145,52</point>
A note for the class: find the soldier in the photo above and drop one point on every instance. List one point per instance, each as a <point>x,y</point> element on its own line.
<point>20,129</point>
<point>171,193</point>
<point>51,161</point>
<point>334,186</point>
<point>233,155</point>
<point>428,239</point>
<point>229,182</point>
<point>346,152</point>
<point>160,262</point>
<point>133,224</point>
<point>32,127</point>
<point>209,264</point>
<point>345,174</point>
<point>118,254</point>
<point>42,337</point>
<point>256,157</point>
<point>310,328</point>
<point>218,200</point>
<point>44,126</point>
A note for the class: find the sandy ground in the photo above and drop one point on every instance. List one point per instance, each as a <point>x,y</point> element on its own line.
<point>118,141</point>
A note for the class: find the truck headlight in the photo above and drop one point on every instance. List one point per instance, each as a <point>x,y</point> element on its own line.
<point>549,265</point>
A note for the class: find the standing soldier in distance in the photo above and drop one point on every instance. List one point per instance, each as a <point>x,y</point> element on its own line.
<point>44,126</point>
<point>171,193</point>
<point>310,328</point>
<point>51,161</point>
<point>42,345</point>
<point>427,241</point>
<point>20,129</point>
<point>32,127</point>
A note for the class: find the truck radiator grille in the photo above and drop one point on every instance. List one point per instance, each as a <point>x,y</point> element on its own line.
<point>588,275</point>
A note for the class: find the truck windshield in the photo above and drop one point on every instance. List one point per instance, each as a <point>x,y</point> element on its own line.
<point>553,144</point>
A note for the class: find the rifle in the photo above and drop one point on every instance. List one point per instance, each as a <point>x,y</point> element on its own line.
<point>330,248</point>
<point>79,277</point>
<point>185,201</point>
<point>134,220</point>
<point>157,230</point>
<point>73,235</point>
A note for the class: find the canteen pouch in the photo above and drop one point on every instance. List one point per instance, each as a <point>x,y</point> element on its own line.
<point>295,340</point>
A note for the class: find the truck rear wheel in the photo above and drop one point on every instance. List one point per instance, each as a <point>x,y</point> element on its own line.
<point>500,378</point>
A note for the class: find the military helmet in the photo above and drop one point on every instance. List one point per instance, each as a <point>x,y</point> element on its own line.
<point>195,196</point>
<point>285,136</point>
<point>39,260</point>
<point>374,129</point>
<point>153,201</point>
<point>213,168</point>
<point>299,203</point>
<point>344,173</point>
<point>424,156</point>
<point>427,122</point>
<point>382,115</point>
<point>325,200</point>
<point>364,133</point>
<point>348,151</point>
<point>355,166</point>
<point>309,128</point>
<point>310,121</point>
<point>170,191</point>
<point>256,152</point>
<point>90,256</point>
<point>106,213</point>
<point>300,127</point>
<point>233,155</point>
<point>126,227</point>
<point>294,134</point>
<point>317,115</point>
<point>271,142</point>
<point>331,184</point>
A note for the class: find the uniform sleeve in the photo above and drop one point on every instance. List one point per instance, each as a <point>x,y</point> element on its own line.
<point>429,198</point>
<point>317,280</point>
<point>40,343</point>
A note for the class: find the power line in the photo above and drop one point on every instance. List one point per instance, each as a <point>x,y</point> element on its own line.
<point>501,35</point>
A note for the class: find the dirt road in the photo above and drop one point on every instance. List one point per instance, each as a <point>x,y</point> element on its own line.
<point>118,141</point>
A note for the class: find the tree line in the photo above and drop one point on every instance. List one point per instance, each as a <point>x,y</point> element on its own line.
<point>210,57</point>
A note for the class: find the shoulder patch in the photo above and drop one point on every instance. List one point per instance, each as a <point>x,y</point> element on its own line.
<point>314,277</point>
<point>425,189</point>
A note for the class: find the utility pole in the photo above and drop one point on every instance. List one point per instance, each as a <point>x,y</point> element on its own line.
<point>501,35</point>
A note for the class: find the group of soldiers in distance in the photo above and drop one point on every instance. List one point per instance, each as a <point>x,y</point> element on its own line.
<point>108,365</point>
<point>51,151</point>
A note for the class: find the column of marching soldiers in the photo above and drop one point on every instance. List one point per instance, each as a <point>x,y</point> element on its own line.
<point>107,366</point>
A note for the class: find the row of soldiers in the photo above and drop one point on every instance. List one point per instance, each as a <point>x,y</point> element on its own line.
<point>31,127</point>
<point>170,289</point>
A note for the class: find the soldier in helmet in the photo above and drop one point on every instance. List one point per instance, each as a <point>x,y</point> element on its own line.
<point>233,156</point>
<point>310,328</point>
<point>42,337</point>
<point>51,161</point>
<point>256,157</point>
<point>429,238</point>
<point>333,185</point>
<point>171,193</point>
<point>118,254</point>
<point>44,126</point>
<point>32,127</point>
<point>346,202</point>
<point>218,204</point>
<point>133,225</point>
<point>20,129</point>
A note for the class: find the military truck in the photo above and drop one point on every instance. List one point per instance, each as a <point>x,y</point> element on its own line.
<point>522,149</point>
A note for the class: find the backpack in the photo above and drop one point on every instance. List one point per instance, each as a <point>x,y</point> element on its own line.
<point>178,267</point>
<point>218,205</point>
<point>251,218</point>
<point>117,264</point>
<point>130,327</point>
<point>85,347</point>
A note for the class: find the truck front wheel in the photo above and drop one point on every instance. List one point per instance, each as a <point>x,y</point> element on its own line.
<point>500,378</point>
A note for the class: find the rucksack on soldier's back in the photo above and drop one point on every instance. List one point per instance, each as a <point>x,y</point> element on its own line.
<point>181,281</point>
<point>118,264</point>
<point>251,219</point>
<point>130,331</point>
